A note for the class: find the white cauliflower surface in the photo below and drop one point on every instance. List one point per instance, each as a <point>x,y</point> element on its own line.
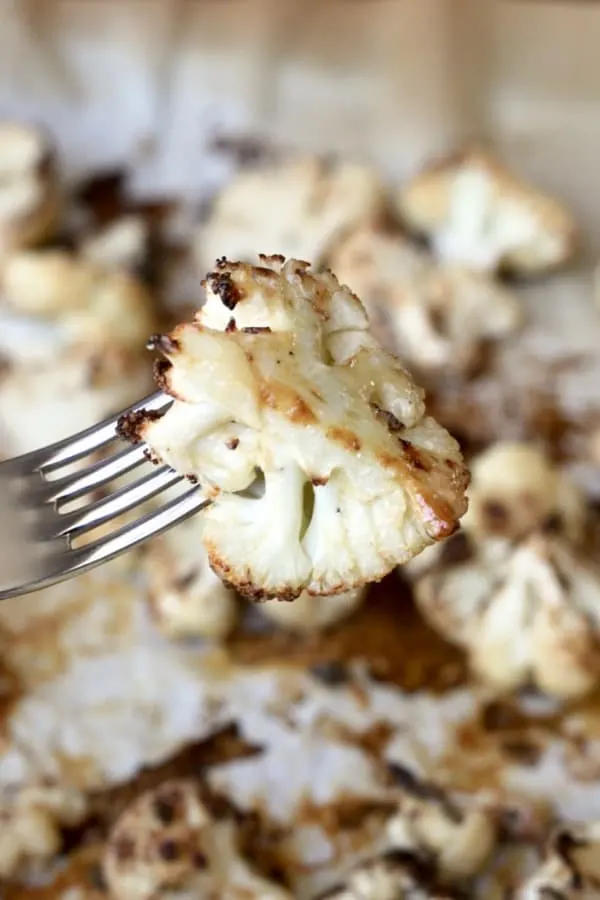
<point>299,208</point>
<point>478,213</point>
<point>281,393</point>
<point>525,603</point>
<point>437,317</point>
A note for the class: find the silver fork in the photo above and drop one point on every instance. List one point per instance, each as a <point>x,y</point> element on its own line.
<point>37,532</point>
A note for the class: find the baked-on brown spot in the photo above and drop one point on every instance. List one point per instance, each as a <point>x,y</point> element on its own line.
<point>166,807</point>
<point>223,285</point>
<point>345,437</point>
<point>288,402</point>
<point>233,443</point>
<point>420,789</point>
<point>257,329</point>
<point>169,850</point>
<point>415,457</point>
<point>131,425</point>
<point>160,371</point>
<point>124,848</point>
<point>320,481</point>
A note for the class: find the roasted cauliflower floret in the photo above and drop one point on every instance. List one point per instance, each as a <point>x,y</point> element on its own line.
<point>32,817</point>
<point>571,868</point>
<point>308,613</point>
<point>526,604</point>
<point>186,596</point>
<point>457,841</point>
<point>479,214</point>
<point>167,843</point>
<point>435,317</point>
<point>299,208</point>
<point>311,441</point>
<point>90,304</point>
<point>30,195</point>
<point>395,875</point>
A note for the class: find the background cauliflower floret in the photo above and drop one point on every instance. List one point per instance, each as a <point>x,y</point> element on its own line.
<point>516,490</point>
<point>526,605</point>
<point>30,195</point>
<point>89,302</point>
<point>186,596</point>
<point>435,317</point>
<point>167,840</point>
<point>299,209</point>
<point>479,214</point>
<point>353,478</point>
<point>458,841</point>
<point>308,613</point>
<point>571,868</point>
<point>395,875</point>
<point>31,817</point>
<point>76,390</point>
<point>73,337</point>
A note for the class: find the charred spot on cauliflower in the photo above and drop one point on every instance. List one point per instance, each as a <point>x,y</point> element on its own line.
<point>478,213</point>
<point>168,840</point>
<point>526,604</point>
<point>321,493</point>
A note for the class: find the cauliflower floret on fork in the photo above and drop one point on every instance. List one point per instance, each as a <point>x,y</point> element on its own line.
<point>312,443</point>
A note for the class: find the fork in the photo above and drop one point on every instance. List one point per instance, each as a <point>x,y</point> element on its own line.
<point>37,530</point>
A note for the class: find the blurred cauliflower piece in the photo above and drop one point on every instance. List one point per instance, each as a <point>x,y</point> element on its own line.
<point>308,613</point>
<point>435,317</point>
<point>32,817</point>
<point>516,490</point>
<point>122,244</point>
<point>477,213</point>
<point>526,605</point>
<point>186,596</point>
<point>299,208</point>
<point>73,339</point>
<point>354,478</point>
<point>30,195</point>
<point>75,390</point>
<point>457,841</point>
<point>395,875</point>
<point>167,844</point>
<point>571,868</point>
<point>90,304</point>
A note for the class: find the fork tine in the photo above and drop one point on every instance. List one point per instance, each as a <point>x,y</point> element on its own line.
<point>83,520</point>
<point>126,537</point>
<point>70,487</point>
